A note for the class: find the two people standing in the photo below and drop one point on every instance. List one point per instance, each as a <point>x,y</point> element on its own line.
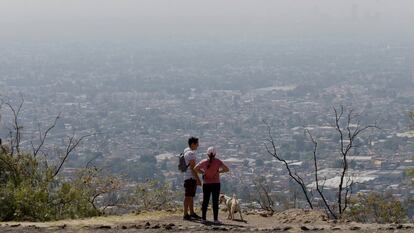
<point>210,168</point>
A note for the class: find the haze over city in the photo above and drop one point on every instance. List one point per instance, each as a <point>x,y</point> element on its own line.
<point>142,76</point>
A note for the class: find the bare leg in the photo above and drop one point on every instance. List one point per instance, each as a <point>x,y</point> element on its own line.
<point>186,205</point>
<point>191,205</point>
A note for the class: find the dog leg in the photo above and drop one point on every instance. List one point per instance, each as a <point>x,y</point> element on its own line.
<point>241,217</point>
<point>232,213</point>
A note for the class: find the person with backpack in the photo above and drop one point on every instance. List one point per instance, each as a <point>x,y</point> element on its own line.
<point>187,163</point>
<point>211,169</point>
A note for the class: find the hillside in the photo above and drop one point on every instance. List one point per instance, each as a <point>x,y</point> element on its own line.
<point>287,221</point>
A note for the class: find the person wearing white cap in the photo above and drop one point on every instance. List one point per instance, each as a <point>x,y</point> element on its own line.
<point>211,169</point>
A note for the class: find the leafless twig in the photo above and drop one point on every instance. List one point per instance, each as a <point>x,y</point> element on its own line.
<point>318,189</point>
<point>43,136</point>
<point>273,152</point>
<point>347,139</point>
<point>17,137</point>
<point>72,144</point>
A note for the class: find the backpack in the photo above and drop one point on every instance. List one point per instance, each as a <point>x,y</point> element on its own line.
<point>182,165</point>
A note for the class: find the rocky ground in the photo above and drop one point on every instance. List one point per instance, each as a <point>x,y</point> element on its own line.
<point>288,221</point>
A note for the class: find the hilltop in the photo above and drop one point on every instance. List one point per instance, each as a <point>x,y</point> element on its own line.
<point>288,221</point>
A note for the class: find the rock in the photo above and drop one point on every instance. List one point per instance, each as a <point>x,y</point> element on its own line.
<point>124,227</point>
<point>15,225</point>
<point>103,227</point>
<point>336,229</point>
<point>400,226</point>
<point>157,226</point>
<point>63,226</point>
<point>137,226</point>
<point>390,228</point>
<point>287,228</point>
<point>168,227</point>
<point>304,228</point>
<point>355,228</point>
<point>33,226</point>
<point>147,224</point>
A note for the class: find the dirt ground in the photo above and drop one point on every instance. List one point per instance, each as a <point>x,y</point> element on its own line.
<point>288,221</point>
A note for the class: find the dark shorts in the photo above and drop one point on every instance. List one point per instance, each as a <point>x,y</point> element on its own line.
<point>190,186</point>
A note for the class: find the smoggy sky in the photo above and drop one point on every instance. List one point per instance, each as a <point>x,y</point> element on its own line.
<point>31,17</point>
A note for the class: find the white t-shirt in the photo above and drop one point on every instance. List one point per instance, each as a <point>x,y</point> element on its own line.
<point>188,156</point>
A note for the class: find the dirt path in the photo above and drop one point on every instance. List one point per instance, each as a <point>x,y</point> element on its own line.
<point>290,221</point>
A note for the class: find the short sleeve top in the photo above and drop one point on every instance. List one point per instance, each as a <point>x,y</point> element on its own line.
<point>210,170</point>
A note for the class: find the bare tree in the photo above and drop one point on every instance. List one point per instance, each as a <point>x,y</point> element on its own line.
<point>347,136</point>
<point>263,197</point>
<point>348,129</point>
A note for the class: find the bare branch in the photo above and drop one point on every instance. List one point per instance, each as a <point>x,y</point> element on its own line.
<point>346,144</point>
<point>318,189</point>
<point>72,144</point>
<point>348,193</point>
<point>273,152</point>
<point>16,139</point>
<point>264,199</point>
<point>43,136</point>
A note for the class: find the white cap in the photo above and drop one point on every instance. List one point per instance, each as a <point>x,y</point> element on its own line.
<point>211,150</point>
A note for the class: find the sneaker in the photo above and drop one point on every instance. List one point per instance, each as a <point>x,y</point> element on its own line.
<point>187,217</point>
<point>203,221</point>
<point>217,222</point>
<point>195,216</point>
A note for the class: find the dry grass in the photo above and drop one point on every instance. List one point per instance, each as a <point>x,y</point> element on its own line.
<point>104,220</point>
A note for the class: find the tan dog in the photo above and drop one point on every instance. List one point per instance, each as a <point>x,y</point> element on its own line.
<point>232,205</point>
